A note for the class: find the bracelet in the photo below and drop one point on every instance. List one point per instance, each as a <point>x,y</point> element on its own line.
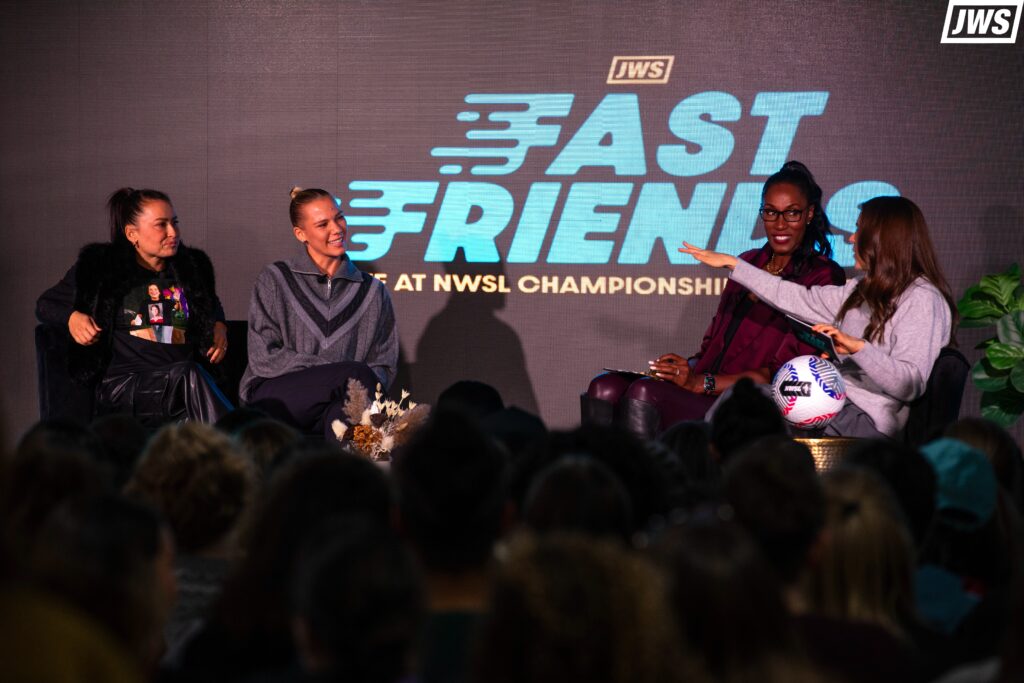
<point>709,384</point>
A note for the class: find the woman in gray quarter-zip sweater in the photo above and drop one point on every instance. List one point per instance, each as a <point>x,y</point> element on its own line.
<point>315,321</point>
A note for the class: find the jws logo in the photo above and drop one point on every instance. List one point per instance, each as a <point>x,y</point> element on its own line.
<point>628,70</point>
<point>982,21</point>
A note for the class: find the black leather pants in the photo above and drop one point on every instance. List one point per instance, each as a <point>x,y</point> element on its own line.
<point>172,393</point>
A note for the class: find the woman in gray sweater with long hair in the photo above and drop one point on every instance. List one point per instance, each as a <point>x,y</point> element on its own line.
<point>888,326</point>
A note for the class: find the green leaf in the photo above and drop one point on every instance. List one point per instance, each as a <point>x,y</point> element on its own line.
<point>1010,328</point>
<point>1002,407</point>
<point>975,310</point>
<point>971,293</point>
<point>987,378</point>
<point>978,322</point>
<point>1002,285</point>
<point>1017,377</point>
<point>984,343</point>
<point>974,293</point>
<point>1004,356</point>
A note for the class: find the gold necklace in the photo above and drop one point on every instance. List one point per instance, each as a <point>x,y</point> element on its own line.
<point>768,266</point>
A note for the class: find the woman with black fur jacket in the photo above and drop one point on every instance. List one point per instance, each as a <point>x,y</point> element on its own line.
<point>137,308</point>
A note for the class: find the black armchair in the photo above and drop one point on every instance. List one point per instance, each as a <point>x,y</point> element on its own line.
<point>60,397</point>
<point>939,406</point>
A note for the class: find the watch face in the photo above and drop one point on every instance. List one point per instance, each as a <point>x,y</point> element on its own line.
<point>709,384</point>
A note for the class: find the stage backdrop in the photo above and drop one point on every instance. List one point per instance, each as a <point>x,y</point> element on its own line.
<point>520,174</point>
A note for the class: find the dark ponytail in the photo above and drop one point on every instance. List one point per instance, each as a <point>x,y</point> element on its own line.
<point>815,241</point>
<point>124,206</point>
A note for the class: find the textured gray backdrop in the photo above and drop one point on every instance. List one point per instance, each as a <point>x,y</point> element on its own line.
<point>226,105</point>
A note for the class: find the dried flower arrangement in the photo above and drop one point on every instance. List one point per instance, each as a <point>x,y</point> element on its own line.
<point>378,427</point>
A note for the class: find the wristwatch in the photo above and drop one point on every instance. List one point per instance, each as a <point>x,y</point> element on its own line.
<point>709,384</point>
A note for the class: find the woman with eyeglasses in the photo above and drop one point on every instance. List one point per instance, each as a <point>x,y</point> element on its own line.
<point>888,326</point>
<point>746,338</point>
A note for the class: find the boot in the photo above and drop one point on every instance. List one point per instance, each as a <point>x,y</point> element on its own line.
<point>639,418</point>
<point>595,411</point>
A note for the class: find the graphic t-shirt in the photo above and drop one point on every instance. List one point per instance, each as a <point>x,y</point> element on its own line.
<point>151,327</point>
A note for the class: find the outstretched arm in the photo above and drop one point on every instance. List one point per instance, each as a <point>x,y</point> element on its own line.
<point>814,304</point>
<point>714,259</point>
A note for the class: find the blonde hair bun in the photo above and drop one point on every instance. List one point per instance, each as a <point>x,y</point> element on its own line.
<point>294,192</point>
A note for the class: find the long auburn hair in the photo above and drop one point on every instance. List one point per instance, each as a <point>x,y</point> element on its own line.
<point>893,243</point>
<point>865,571</point>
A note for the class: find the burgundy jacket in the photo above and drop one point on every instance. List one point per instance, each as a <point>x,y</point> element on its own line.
<point>763,338</point>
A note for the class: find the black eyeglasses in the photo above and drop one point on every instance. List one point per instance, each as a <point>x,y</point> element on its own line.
<point>789,215</point>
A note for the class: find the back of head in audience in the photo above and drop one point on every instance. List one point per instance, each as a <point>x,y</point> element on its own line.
<point>54,462</point>
<point>199,480</point>
<point>62,433</point>
<point>746,415</point>
<point>578,493</point>
<point>966,486</point>
<point>967,537</point>
<point>450,494</point>
<point>112,558</point>
<point>574,608</point>
<point>698,474</point>
<point>727,601</point>
<point>266,441</point>
<point>644,479</point>
<point>357,603</point>
<point>470,397</point>
<point>1001,449</point>
<point>123,439</point>
<point>314,485</point>
<point>238,418</point>
<point>864,569</point>
<point>773,488</point>
<point>909,476</point>
<point>514,428</point>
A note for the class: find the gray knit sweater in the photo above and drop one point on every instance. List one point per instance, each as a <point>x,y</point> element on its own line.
<point>881,378</point>
<point>300,318</point>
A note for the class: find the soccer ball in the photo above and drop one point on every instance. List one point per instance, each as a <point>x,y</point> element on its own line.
<point>809,391</point>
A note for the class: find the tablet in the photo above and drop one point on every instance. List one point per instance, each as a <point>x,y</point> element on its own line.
<point>628,372</point>
<point>819,340</point>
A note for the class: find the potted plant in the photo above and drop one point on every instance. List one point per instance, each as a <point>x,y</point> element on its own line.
<point>998,300</point>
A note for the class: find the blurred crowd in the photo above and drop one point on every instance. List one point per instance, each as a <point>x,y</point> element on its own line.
<point>491,550</point>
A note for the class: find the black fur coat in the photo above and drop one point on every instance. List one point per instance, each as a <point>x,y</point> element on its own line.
<point>99,281</point>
